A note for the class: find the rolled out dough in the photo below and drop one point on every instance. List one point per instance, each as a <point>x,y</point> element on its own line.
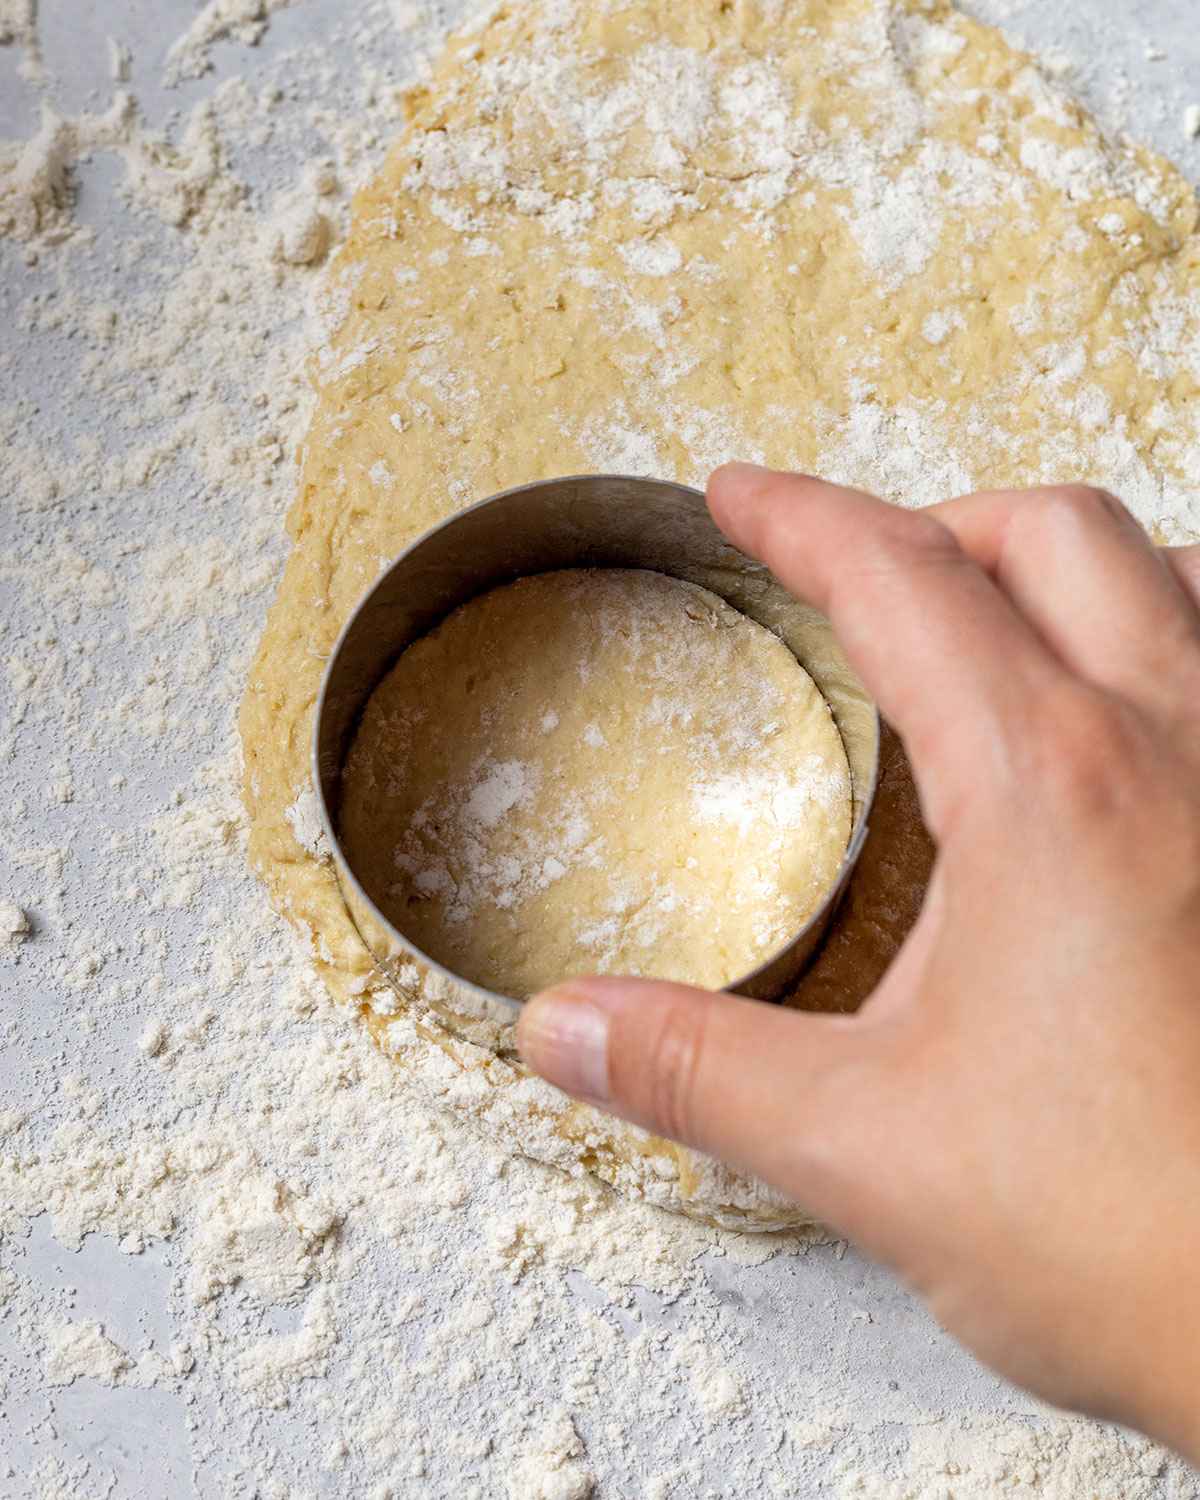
<point>602,770</point>
<point>859,238</point>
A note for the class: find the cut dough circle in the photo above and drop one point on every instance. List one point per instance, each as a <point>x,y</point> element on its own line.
<point>597,770</point>
<point>859,238</point>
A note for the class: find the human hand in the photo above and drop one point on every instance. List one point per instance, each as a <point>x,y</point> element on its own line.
<point>1012,1120</point>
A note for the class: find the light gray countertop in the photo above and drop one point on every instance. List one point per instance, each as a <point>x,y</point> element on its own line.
<point>827,1323</point>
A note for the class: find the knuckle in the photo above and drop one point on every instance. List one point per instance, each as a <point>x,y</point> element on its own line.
<point>918,535</point>
<point>1185,562</point>
<point>1082,502</point>
<point>1170,669</point>
<point>1087,749</point>
<point>673,1065</point>
<point>1185,663</point>
<point>910,543</point>
<point>892,558</point>
<point>1114,784</point>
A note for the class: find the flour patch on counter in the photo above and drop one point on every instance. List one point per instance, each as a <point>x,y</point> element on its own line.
<point>82,1351</point>
<point>15,928</point>
<point>355,1283</point>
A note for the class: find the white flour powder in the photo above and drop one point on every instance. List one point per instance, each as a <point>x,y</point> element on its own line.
<point>14,928</point>
<point>243,20</point>
<point>226,1234</point>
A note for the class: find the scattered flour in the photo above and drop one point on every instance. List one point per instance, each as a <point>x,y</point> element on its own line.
<point>304,816</point>
<point>75,1350</point>
<point>357,1296</point>
<point>18,27</point>
<point>502,785</point>
<point>977,1459</point>
<point>550,1467</point>
<point>298,231</point>
<point>14,929</point>
<point>242,20</point>
<point>183,183</point>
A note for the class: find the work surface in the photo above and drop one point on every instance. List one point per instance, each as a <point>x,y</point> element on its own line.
<point>245,1271</point>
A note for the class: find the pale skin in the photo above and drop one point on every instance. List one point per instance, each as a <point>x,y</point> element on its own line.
<point>1012,1120</point>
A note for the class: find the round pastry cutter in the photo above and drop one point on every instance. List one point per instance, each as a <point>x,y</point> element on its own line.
<point>585,521</point>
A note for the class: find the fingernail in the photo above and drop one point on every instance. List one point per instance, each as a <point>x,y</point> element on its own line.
<point>563,1035</point>
<point>735,468</point>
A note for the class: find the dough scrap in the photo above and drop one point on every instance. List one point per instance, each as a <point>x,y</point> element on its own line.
<point>852,237</point>
<point>605,771</point>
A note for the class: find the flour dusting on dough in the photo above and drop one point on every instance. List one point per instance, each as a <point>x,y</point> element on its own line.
<point>605,769</point>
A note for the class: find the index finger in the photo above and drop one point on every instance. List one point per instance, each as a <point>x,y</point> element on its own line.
<point>944,653</point>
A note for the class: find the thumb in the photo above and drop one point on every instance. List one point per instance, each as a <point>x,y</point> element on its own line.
<point>738,1079</point>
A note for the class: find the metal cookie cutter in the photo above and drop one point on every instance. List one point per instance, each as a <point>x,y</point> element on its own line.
<point>585,521</point>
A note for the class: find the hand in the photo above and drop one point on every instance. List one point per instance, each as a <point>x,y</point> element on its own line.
<point>1012,1120</point>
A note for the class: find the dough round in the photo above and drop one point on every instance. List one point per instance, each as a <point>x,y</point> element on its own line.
<point>602,770</point>
<point>860,238</point>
